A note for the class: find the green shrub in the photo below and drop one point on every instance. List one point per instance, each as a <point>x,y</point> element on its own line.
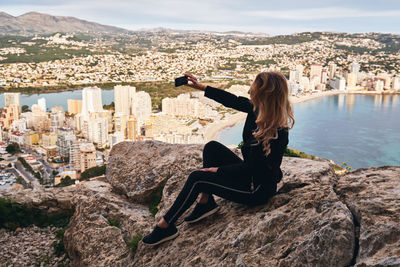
<point>93,172</point>
<point>13,215</point>
<point>155,200</point>
<point>134,243</point>
<point>59,244</point>
<point>114,223</point>
<point>66,181</point>
<point>297,154</point>
<point>13,148</point>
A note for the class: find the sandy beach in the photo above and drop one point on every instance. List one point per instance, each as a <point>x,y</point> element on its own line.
<point>212,130</point>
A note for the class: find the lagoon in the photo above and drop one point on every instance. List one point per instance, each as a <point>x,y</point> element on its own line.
<point>60,98</point>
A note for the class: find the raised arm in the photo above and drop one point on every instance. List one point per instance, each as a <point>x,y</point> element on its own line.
<point>229,100</point>
<point>225,98</point>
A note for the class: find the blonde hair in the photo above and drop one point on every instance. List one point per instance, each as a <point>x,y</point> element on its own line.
<point>269,94</point>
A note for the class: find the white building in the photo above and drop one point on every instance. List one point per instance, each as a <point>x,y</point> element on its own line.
<point>338,83</point>
<point>57,119</point>
<point>19,125</point>
<point>316,72</point>
<point>42,104</point>
<point>396,83</point>
<point>379,84</point>
<point>116,138</point>
<point>65,140</point>
<point>332,70</point>
<point>12,99</point>
<point>141,107</point>
<point>98,131</point>
<point>91,100</point>
<point>123,98</point>
<point>355,68</point>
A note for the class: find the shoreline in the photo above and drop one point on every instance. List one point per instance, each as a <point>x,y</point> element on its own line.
<point>212,130</point>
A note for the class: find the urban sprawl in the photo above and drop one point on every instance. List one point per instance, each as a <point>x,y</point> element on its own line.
<point>60,143</point>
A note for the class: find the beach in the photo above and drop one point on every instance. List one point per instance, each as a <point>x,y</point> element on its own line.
<point>212,130</point>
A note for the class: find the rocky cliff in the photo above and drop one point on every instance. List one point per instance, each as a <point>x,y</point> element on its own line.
<point>316,219</point>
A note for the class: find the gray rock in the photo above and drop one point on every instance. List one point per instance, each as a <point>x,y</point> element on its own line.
<point>316,219</point>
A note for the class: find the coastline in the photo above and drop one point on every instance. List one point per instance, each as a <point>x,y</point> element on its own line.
<point>212,130</point>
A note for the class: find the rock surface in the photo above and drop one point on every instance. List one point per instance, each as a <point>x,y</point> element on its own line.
<point>316,219</point>
<point>29,246</point>
<point>138,169</point>
<point>373,195</point>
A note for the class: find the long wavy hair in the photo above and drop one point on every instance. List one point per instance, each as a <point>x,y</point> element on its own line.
<point>269,94</point>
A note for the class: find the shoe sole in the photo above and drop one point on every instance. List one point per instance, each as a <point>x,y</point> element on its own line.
<point>204,215</point>
<point>163,240</point>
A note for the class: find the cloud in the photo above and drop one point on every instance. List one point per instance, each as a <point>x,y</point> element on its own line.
<point>321,13</point>
<point>245,15</point>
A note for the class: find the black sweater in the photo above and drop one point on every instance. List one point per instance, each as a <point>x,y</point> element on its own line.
<point>264,169</point>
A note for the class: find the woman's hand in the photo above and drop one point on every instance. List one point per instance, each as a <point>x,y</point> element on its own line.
<point>194,83</point>
<point>212,169</point>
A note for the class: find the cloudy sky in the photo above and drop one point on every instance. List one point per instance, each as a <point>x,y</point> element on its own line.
<point>273,17</point>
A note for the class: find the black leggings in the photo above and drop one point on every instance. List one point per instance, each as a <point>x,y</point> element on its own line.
<point>235,188</point>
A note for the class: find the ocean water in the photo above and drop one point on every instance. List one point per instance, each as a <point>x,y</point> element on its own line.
<point>361,130</point>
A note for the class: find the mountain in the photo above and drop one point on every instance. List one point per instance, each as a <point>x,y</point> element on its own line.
<point>37,23</point>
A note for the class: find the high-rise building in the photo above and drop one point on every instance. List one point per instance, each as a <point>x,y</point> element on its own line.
<point>116,138</point>
<point>87,155</point>
<point>379,84</point>
<point>74,106</point>
<point>141,107</point>
<point>355,68</point>
<point>120,123</point>
<point>292,75</point>
<point>324,76</point>
<point>91,100</point>
<point>98,130</point>
<point>65,141</point>
<point>299,72</point>
<point>316,71</point>
<point>123,99</point>
<point>396,83</point>
<point>42,103</point>
<point>332,70</point>
<point>132,128</point>
<point>56,120</point>
<point>338,83</point>
<point>12,99</point>
<point>8,115</point>
<point>351,79</point>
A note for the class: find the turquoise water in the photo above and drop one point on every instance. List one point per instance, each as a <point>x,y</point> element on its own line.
<point>59,99</point>
<point>361,130</point>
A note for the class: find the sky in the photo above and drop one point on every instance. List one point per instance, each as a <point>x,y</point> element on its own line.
<point>258,16</point>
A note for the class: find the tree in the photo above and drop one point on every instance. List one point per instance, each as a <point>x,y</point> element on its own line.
<point>93,172</point>
<point>13,148</point>
<point>25,108</point>
<point>66,181</point>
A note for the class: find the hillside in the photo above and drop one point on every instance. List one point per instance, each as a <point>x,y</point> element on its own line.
<point>37,23</point>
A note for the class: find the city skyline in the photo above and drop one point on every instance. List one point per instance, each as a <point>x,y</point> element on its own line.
<point>271,17</point>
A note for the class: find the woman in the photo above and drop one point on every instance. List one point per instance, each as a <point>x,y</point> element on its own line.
<point>251,181</point>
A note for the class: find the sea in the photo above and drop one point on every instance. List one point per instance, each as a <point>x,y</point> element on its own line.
<point>353,129</point>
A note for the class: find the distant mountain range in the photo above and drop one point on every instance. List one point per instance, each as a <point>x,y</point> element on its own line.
<point>37,23</point>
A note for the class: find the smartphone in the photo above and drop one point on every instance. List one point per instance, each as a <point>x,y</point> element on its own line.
<point>181,81</point>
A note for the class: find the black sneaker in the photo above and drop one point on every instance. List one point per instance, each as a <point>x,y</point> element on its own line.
<point>201,211</point>
<point>160,235</point>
